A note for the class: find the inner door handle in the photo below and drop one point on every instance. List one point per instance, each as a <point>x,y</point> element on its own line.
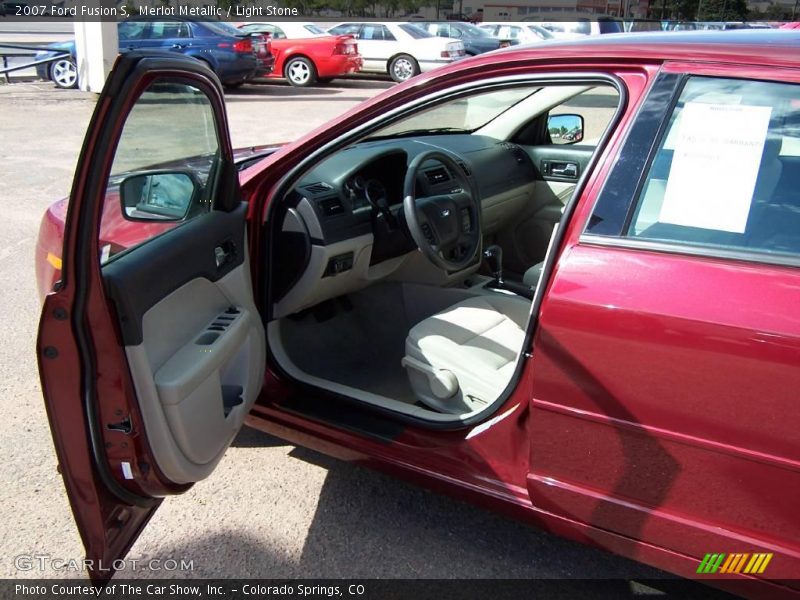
<point>567,170</point>
<point>224,254</point>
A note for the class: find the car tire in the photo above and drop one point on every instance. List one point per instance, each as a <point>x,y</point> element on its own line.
<point>64,73</point>
<point>403,67</point>
<point>300,72</point>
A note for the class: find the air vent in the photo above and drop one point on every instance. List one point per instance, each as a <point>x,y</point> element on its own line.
<point>465,168</point>
<point>330,207</point>
<point>317,188</point>
<point>437,175</point>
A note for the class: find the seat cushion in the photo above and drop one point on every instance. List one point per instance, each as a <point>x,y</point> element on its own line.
<point>531,276</point>
<point>477,340</point>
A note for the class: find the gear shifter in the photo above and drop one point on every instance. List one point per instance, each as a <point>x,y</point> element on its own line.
<point>494,258</point>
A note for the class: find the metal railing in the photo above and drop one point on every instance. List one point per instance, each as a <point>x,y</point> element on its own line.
<point>5,70</point>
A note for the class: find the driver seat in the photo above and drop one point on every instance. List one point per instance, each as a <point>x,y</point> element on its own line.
<point>462,359</point>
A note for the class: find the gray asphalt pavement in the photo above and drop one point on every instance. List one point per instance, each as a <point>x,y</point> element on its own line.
<point>270,509</point>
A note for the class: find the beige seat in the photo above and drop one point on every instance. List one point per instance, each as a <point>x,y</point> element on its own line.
<point>462,359</point>
<point>531,276</point>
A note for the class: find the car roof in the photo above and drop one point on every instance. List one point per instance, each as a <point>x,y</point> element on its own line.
<point>738,46</point>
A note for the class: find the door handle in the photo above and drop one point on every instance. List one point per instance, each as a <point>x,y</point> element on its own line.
<point>567,170</point>
<point>224,254</point>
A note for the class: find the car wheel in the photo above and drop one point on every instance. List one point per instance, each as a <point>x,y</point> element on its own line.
<point>64,73</point>
<point>300,72</point>
<point>403,67</point>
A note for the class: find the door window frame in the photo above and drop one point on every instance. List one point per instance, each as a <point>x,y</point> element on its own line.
<point>640,149</point>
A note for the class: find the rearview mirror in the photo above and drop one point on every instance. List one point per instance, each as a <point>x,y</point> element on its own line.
<point>565,129</point>
<point>158,196</point>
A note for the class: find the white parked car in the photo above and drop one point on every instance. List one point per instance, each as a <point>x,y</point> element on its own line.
<point>400,49</point>
<point>522,33</point>
<point>564,28</point>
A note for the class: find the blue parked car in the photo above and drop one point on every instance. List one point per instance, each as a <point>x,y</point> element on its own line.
<point>233,55</point>
<point>475,39</point>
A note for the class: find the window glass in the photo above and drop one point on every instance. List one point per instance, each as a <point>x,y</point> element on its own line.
<point>345,28</point>
<point>314,29</point>
<point>168,30</point>
<point>376,32</point>
<point>131,30</point>
<point>414,31</point>
<point>541,32</point>
<point>162,168</point>
<point>274,31</point>
<point>463,114</point>
<point>725,173</point>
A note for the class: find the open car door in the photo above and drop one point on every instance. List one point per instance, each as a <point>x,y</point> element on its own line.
<point>151,350</point>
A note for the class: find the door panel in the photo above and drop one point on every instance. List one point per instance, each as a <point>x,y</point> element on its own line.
<point>151,349</point>
<point>525,241</point>
<point>681,416</point>
<point>193,340</point>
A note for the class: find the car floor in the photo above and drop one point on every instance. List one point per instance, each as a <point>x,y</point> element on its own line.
<point>357,341</point>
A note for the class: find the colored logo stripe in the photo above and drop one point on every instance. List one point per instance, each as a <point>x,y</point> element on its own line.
<point>735,563</point>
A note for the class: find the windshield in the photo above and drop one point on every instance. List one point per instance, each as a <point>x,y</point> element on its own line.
<point>415,32</point>
<point>541,32</point>
<point>474,31</point>
<point>315,30</point>
<point>463,115</point>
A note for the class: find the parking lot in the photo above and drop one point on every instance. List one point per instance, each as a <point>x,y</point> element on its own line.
<point>270,509</point>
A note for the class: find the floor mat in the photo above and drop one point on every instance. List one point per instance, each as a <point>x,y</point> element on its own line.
<point>361,347</point>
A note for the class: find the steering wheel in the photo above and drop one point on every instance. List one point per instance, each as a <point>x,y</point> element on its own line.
<point>445,227</point>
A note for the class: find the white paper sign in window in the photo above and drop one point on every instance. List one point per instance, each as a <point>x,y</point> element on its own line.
<point>715,166</point>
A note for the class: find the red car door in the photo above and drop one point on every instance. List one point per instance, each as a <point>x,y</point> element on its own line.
<point>666,361</point>
<point>150,355</point>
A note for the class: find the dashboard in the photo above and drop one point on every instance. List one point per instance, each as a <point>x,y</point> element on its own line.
<point>344,225</point>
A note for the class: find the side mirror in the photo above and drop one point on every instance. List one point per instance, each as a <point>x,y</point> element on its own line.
<point>158,195</point>
<point>565,129</point>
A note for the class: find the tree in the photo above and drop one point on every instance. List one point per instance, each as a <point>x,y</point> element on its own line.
<point>723,10</point>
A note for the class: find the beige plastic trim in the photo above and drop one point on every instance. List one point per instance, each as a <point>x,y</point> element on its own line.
<point>314,287</point>
<point>178,382</point>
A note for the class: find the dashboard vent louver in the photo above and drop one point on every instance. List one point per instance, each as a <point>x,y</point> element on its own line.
<point>465,168</point>
<point>437,175</point>
<point>318,188</point>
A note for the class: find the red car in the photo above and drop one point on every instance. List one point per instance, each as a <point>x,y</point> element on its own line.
<point>305,54</point>
<point>622,370</point>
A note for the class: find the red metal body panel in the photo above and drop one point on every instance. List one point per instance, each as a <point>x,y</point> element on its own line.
<point>320,51</point>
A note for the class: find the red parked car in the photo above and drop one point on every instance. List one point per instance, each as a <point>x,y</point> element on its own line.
<point>306,54</point>
<point>622,370</point>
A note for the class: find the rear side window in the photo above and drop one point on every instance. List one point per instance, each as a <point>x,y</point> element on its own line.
<point>415,32</point>
<point>376,32</point>
<point>168,30</point>
<point>727,170</point>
